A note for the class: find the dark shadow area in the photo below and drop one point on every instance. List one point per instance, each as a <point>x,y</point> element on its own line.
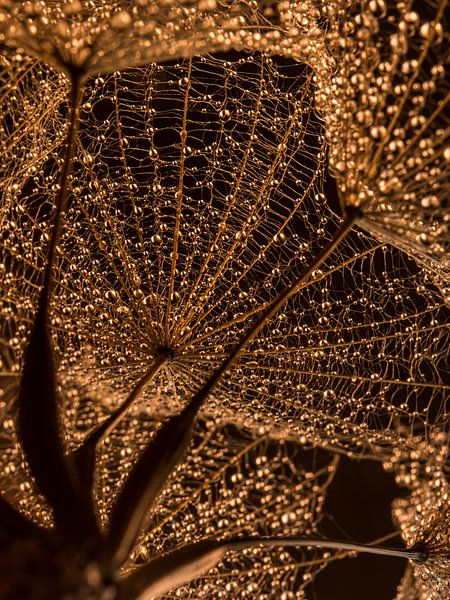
<point>331,193</point>
<point>358,507</point>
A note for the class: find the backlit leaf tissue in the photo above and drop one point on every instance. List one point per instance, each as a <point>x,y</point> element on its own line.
<point>224,282</point>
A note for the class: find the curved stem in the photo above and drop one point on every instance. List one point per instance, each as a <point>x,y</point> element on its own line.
<point>76,91</point>
<point>38,421</point>
<point>243,543</point>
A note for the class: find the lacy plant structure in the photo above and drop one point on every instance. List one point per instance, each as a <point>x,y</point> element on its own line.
<point>165,230</point>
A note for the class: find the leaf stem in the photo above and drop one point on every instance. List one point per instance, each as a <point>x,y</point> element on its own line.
<point>61,200</point>
<point>415,555</point>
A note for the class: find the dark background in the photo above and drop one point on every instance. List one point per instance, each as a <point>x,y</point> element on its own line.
<point>358,507</point>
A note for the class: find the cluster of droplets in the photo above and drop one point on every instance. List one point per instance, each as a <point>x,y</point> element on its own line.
<point>81,36</point>
<point>205,201</point>
<point>386,110</point>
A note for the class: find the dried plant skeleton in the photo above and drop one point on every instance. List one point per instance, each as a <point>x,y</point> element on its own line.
<point>190,334</point>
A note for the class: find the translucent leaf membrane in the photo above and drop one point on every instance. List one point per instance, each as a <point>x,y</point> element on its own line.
<point>387,121</point>
<point>91,37</point>
<point>232,483</point>
<point>29,130</point>
<point>197,197</point>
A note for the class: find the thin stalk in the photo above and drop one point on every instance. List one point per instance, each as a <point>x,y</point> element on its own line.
<point>243,543</point>
<point>193,560</point>
<point>38,422</point>
<point>114,419</point>
<point>61,200</point>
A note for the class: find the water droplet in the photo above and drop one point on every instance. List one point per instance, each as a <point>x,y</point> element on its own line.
<point>121,20</point>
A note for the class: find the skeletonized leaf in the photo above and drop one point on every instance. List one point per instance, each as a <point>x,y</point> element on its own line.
<point>386,116</point>
<point>203,205</point>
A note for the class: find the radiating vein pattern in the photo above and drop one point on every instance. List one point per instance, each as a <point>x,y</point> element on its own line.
<point>196,197</point>
<point>204,202</point>
<point>388,123</point>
